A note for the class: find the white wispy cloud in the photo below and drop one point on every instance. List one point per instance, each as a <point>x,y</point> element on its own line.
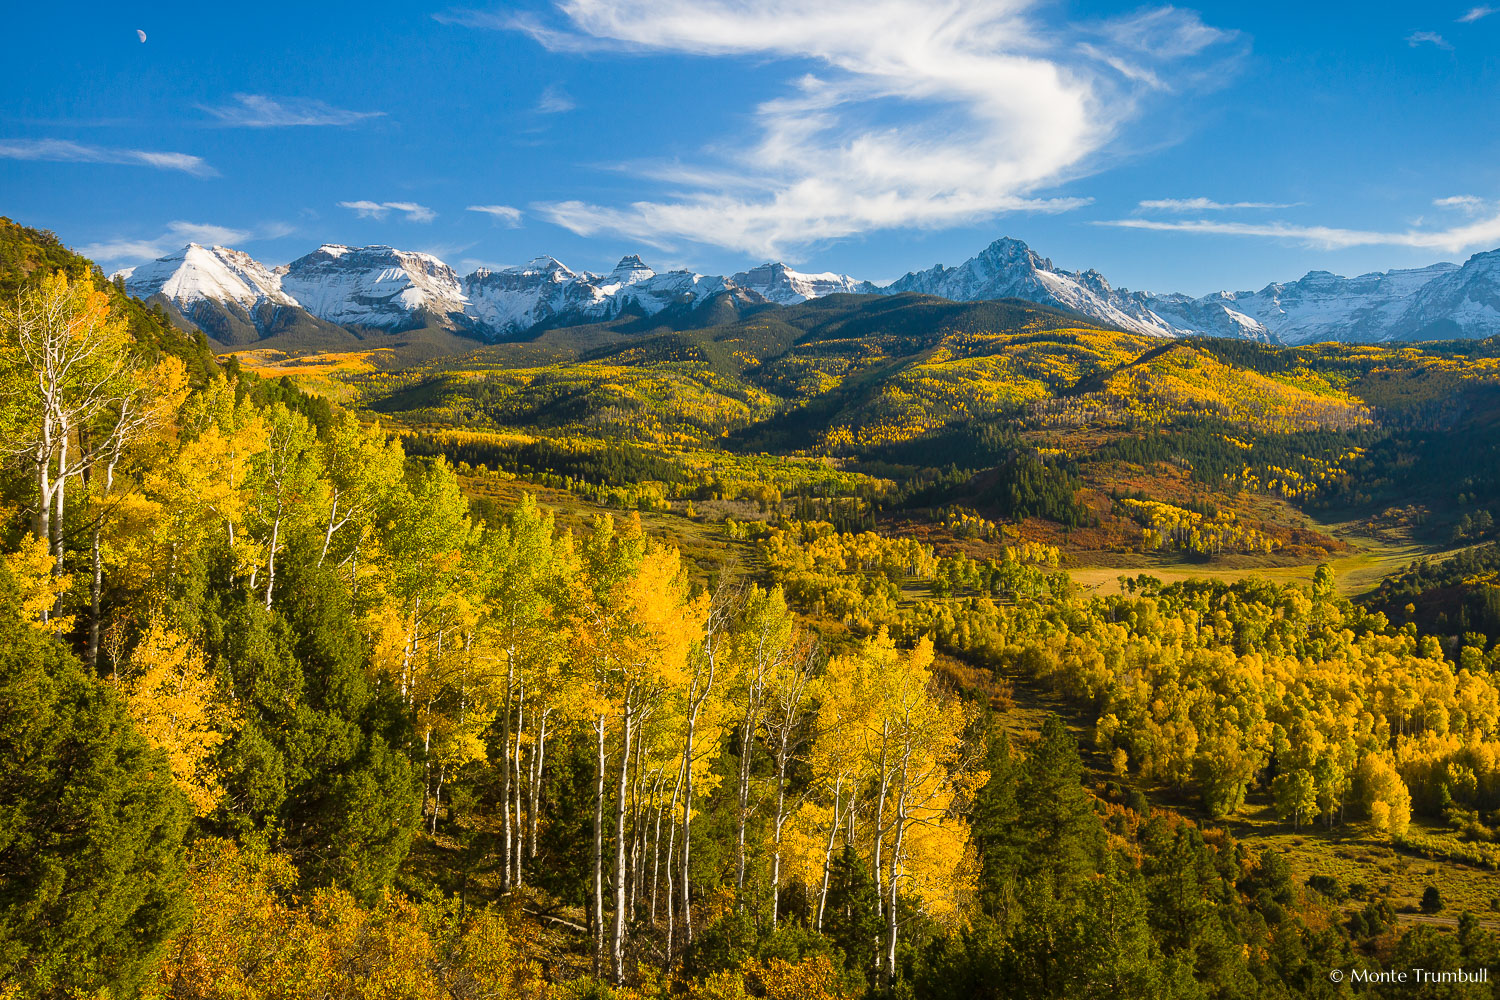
<point>67,151</point>
<point>1418,38</point>
<point>920,113</point>
<point>445,251</point>
<point>1135,45</point>
<point>1204,205</point>
<point>1467,203</point>
<point>380,209</point>
<point>261,111</point>
<point>176,234</point>
<point>471,264</point>
<point>1475,13</point>
<point>555,101</point>
<point>1478,234</point>
<point>506,214</point>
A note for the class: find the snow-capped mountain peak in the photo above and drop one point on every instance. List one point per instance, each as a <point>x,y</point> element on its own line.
<point>1008,268</point>
<point>775,282</point>
<point>545,265</point>
<point>197,273</point>
<point>630,270</point>
<point>375,286</point>
<point>387,288</point>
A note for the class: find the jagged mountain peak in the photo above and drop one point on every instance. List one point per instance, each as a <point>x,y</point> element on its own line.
<point>545,264</point>
<point>631,269</point>
<point>1008,248</point>
<point>388,288</point>
<point>375,286</point>
<point>778,283</point>
<point>197,273</point>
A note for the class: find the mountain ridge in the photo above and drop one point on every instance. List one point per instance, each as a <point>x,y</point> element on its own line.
<point>382,288</point>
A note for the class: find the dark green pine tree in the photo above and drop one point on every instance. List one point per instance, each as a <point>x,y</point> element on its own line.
<point>316,764</point>
<point>357,814</point>
<point>92,881</point>
<point>1059,848</point>
<point>1111,948</point>
<point>993,827</point>
<point>850,919</point>
<point>1058,839</point>
<point>1190,900</point>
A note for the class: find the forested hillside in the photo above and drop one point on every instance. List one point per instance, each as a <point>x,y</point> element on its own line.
<point>747,662</point>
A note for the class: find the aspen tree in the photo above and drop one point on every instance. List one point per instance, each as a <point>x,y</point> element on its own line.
<point>69,366</point>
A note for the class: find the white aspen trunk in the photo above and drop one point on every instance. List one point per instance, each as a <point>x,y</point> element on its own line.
<point>885,784</point>
<point>59,490</point>
<point>671,894</point>
<point>538,771</point>
<point>598,872</point>
<point>747,750</point>
<point>833,832</point>
<point>888,963</point>
<point>519,836</point>
<point>42,522</point>
<point>96,581</point>
<point>333,514</point>
<point>271,560</point>
<point>637,828</point>
<point>776,845</point>
<point>687,832</point>
<point>409,652</point>
<point>888,966</point>
<point>437,797</point>
<point>696,697</point>
<point>671,855</point>
<point>96,599</point>
<point>617,944</point>
<point>656,847</point>
<point>426,763</point>
<point>505,769</point>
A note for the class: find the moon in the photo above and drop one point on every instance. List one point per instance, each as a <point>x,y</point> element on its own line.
<point>141,33</point>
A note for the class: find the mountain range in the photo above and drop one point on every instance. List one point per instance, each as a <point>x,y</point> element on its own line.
<point>338,291</point>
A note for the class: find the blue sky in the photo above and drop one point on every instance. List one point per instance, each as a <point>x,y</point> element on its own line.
<point>1172,148</point>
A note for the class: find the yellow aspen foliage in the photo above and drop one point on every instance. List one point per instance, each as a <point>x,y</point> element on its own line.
<point>203,489</point>
<point>171,697</point>
<point>816,977</point>
<point>253,939</point>
<point>31,566</point>
<point>1384,794</point>
<point>665,619</point>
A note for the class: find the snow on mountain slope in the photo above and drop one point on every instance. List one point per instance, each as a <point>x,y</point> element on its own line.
<point>385,288</point>
<point>1008,268</point>
<point>544,290</point>
<point>780,284</point>
<point>1462,302</point>
<point>518,298</point>
<point>1441,300</point>
<point>375,286</point>
<point>633,282</point>
<point>226,293</point>
<point>196,273</point>
<point>1213,315</point>
<point>1322,306</point>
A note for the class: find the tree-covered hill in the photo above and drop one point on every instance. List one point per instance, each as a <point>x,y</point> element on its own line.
<point>736,662</point>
